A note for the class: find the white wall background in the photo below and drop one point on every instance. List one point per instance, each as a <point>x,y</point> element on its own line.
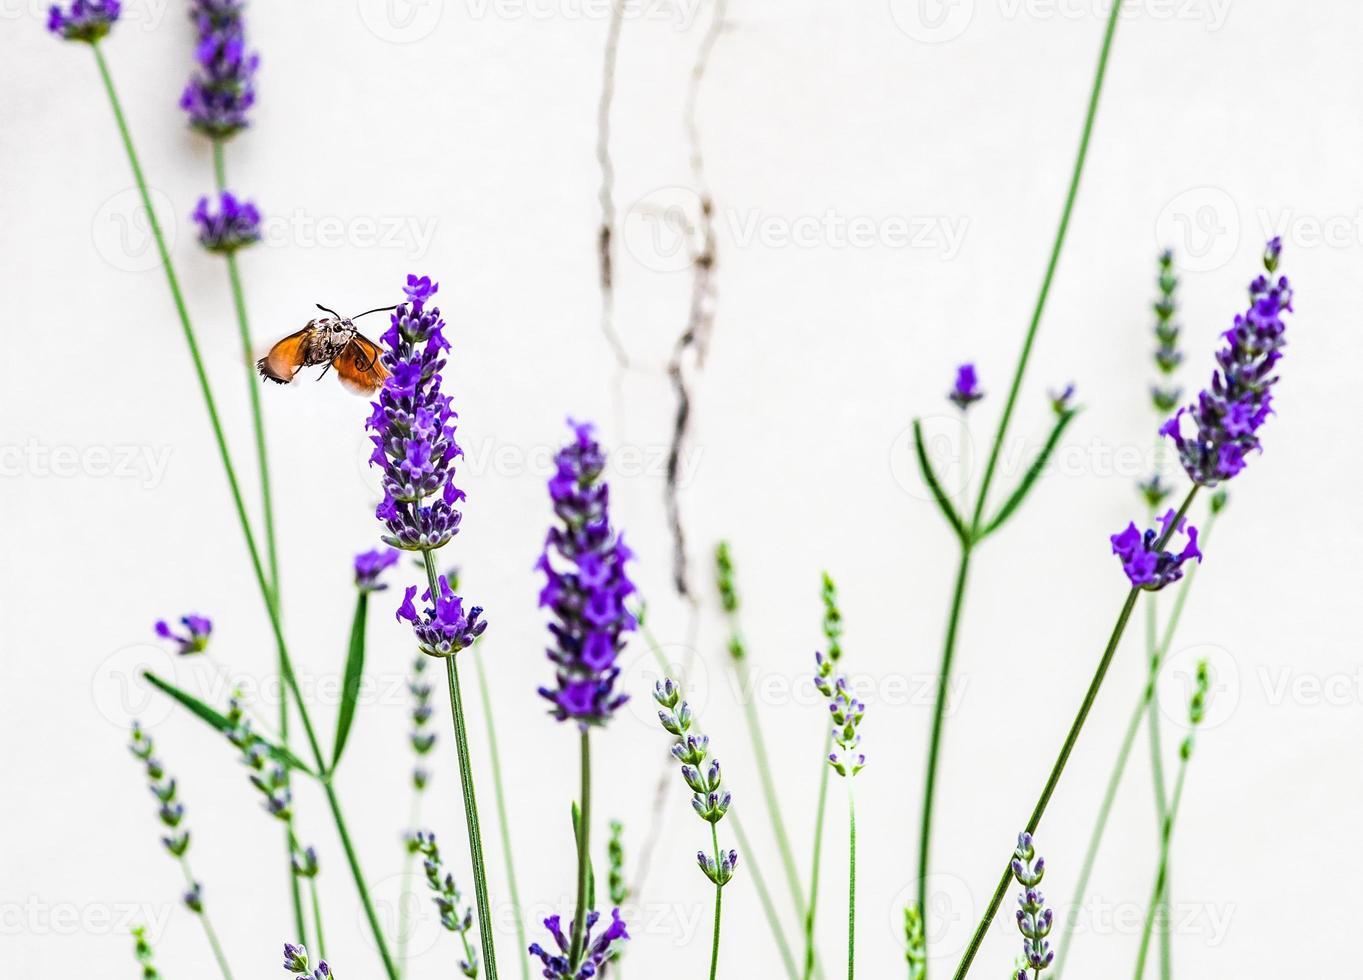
<point>470,129</point>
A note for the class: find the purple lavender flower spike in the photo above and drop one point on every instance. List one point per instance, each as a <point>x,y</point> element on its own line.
<point>845,713</point>
<point>1033,918</point>
<point>1148,568</point>
<point>370,566</point>
<point>595,952</point>
<point>966,391</point>
<point>1227,414</point>
<point>83,20</point>
<point>296,962</point>
<point>222,88</point>
<point>234,225</point>
<point>443,628</point>
<point>195,637</point>
<point>585,586</point>
<point>413,428</point>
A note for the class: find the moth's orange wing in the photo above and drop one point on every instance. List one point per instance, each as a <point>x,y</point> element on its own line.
<point>285,357</point>
<point>358,366</point>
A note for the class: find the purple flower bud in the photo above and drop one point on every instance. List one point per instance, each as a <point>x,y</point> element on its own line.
<point>195,638</point>
<point>966,390</point>
<point>443,628</point>
<point>1148,567</point>
<point>84,20</point>
<point>596,951</point>
<point>222,87</point>
<point>370,565</point>
<point>234,225</point>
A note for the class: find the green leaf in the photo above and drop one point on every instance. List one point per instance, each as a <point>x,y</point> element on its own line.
<point>1033,471</point>
<point>354,675</point>
<point>220,722</point>
<point>930,478</point>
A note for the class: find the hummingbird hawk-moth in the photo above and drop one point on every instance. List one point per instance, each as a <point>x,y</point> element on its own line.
<point>335,342</point>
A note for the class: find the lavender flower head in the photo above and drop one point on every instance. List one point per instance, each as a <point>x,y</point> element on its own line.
<point>845,713</point>
<point>966,390</point>
<point>1145,562</point>
<point>370,566</point>
<point>443,627</point>
<point>1033,918</point>
<point>1165,394</point>
<point>413,427</point>
<point>1227,415</point>
<point>83,20</point>
<point>296,962</point>
<point>222,88</point>
<point>194,639</point>
<point>586,586</point>
<point>234,225</point>
<point>595,953</point>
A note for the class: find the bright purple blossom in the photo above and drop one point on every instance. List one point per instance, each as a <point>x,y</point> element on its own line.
<point>83,20</point>
<point>235,224</point>
<point>222,88</point>
<point>1228,414</point>
<point>370,565</point>
<point>586,585</point>
<point>443,628</point>
<point>595,952</point>
<point>194,639</point>
<point>413,428</point>
<point>1148,566</point>
<point>966,391</point>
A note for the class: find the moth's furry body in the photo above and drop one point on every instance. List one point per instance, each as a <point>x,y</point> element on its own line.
<point>333,341</point>
<point>327,337</point>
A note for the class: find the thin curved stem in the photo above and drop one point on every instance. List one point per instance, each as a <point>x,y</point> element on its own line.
<point>1157,900</point>
<point>851,882</point>
<point>1071,738</point>
<point>584,857</point>
<point>764,898</point>
<point>317,918</point>
<point>816,861</point>
<point>209,931</point>
<point>719,905</point>
<point>503,825</point>
<point>267,594</point>
<point>413,818</point>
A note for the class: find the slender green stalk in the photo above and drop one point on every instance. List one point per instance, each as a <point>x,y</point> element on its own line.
<point>977,520</point>
<point>938,721</point>
<point>413,819</point>
<point>266,591</point>
<point>1071,738</point>
<point>1123,754</point>
<point>851,883</point>
<point>317,918</point>
<point>1156,748</point>
<point>719,904</point>
<point>503,825</point>
<point>816,861</point>
<point>461,744</point>
<point>764,897</point>
<point>1158,901</point>
<point>207,924</point>
<point>219,167</point>
<point>584,854</point>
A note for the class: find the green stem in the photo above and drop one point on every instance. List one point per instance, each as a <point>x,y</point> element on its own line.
<point>207,924</point>
<point>230,471</point>
<point>935,741</point>
<point>1071,738</point>
<point>353,860</point>
<point>851,882</point>
<point>219,167</point>
<point>1158,899</point>
<point>461,744</point>
<point>764,897</point>
<point>413,816</point>
<point>584,857</point>
<point>1156,749</point>
<point>719,903</point>
<point>1051,265</point>
<point>817,860</point>
<point>1123,754</point>
<point>503,825</point>
<point>317,918</point>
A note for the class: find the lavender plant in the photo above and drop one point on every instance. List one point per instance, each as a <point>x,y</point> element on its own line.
<point>827,664</point>
<point>710,801</point>
<point>296,961</point>
<point>454,916</point>
<point>845,713</point>
<point>171,812</point>
<point>1033,917</point>
<point>143,951</point>
<point>1229,413</point>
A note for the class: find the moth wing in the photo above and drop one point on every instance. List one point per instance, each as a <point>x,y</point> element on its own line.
<point>358,366</point>
<point>285,357</point>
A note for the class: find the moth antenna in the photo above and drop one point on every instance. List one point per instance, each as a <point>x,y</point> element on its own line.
<point>332,312</point>
<point>380,309</point>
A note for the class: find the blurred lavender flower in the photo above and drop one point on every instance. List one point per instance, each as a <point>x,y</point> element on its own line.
<point>447,900</point>
<point>413,428</point>
<point>234,225</point>
<point>1155,491</point>
<point>83,20</point>
<point>1061,399</point>
<point>422,737</point>
<point>1146,567</point>
<point>143,951</point>
<point>268,776</point>
<point>588,596</point>
<point>1033,918</point>
<point>171,811</point>
<point>1228,414</point>
<point>915,942</point>
<point>596,952</point>
<point>195,637</point>
<point>443,628</point>
<point>296,962</point>
<point>305,862</point>
<point>222,88</point>
<point>615,857</point>
<point>1165,394</point>
<point>845,712</point>
<point>966,391</point>
<point>369,565</point>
